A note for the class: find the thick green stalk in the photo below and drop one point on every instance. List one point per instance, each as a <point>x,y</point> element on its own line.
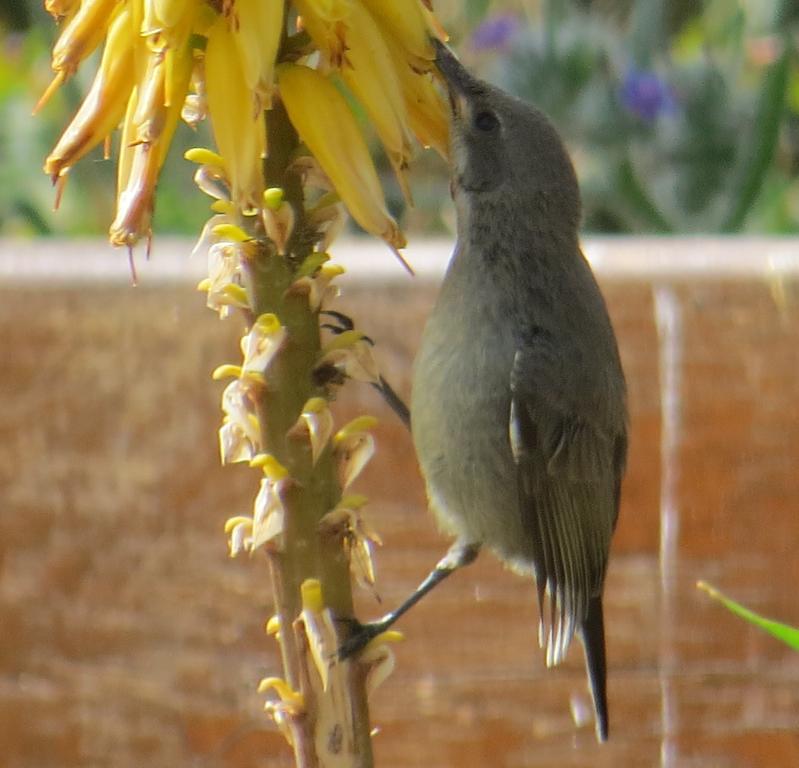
<point>315,490</point>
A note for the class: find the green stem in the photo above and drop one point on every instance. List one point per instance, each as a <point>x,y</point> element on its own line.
<point>638,200</point>
<point>315,490</point>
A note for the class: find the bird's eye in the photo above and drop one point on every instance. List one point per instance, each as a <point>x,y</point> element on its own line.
<point>485,121</point>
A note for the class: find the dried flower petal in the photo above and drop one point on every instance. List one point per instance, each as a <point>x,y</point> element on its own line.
<point>355,445</point>
<point>234,444</point>
<point>318,288</point>
<point>347,521</point>
<point>380,659</point>
<point>279,225</point>
<point>315,422</point>
<point>240,434</point>
<point>262,343</point>
<point>239,530</point>
<point>319,629</point>
<point>269,513</point>
<point>286,710</point>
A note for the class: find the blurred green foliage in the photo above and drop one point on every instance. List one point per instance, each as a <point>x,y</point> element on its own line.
<point>682,116</point>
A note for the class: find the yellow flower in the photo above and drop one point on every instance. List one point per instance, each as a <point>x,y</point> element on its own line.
<point>257,32</point>
<point>404,21</point>
<point>370,72</point>
<point>238,129</point>
<point>326,21</point>
<point>80,36</point>
<point>326,124</point>
<point>104,104</point>
<point>152,116</point>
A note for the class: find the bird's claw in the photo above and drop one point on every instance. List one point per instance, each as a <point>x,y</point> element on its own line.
<point>345,324</point>
<point>359,637</point>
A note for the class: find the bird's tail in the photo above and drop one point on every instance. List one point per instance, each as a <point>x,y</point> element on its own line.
<point>592,634</point>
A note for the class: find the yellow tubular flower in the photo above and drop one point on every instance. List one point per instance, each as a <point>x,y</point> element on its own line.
<point>145,141</point>
<point>81,35</point>
<point>434,25</point>
<point>427,109</point>
<point>257,36</point>
<point>59,9</point>
<point>404,21</point>
<point>326,21</point>
<point>163,16</point>
<point>327,126</point>
<point>239,133</point>
<point>135,201</point>
<point>148,117</point>
<point>104,105</point>
<point>370,72</point>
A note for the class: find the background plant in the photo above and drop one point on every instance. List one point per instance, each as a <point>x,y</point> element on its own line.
<point>682,116</point>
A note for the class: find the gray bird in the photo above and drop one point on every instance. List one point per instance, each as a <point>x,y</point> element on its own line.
<point>519,412</point>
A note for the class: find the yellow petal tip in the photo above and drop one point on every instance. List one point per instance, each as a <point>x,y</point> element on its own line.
<point>226,371</point>
<point>311,592</point>
<point>203,156</point>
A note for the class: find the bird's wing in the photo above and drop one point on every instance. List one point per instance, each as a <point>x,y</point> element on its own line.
<point>569,471</point>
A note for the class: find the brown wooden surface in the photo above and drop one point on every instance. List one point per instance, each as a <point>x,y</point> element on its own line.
<point>129,638</point>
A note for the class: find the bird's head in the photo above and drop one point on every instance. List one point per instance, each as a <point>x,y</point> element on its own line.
<point>502,146</point>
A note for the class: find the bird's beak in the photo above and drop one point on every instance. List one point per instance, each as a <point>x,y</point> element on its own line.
<point>455,76</point>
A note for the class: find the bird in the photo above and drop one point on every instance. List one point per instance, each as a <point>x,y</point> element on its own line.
<point>519,406</point>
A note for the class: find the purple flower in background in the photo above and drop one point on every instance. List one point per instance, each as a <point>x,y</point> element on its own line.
<point>495,32</point>
<point>646,95</point>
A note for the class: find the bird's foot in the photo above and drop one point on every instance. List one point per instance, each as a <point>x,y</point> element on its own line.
<point>342,324</point>
<point>360,636</point>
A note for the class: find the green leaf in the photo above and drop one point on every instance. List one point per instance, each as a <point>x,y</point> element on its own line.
<point>638,201</point>
<point>789,635</point>
<point>763,141</point>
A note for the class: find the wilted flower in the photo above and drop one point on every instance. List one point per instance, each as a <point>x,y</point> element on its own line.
<point>347,521</point>
<point>269,512</point>
<point>261,344</point>
<point>350,353</point>
<point>354,446</point>
<point>240,433</point>
<point>315,422</point>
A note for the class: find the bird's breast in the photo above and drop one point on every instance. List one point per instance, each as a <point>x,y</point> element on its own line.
<point>460,413</point>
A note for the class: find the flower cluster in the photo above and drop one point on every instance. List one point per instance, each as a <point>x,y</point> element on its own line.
<point>164,60</point>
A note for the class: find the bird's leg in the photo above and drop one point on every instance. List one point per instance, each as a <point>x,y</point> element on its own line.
<point>393,400</point>
<point>458,555</point>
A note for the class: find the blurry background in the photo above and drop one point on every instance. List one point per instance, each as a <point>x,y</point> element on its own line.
<point>127,636</point>
<point>681,115</point>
